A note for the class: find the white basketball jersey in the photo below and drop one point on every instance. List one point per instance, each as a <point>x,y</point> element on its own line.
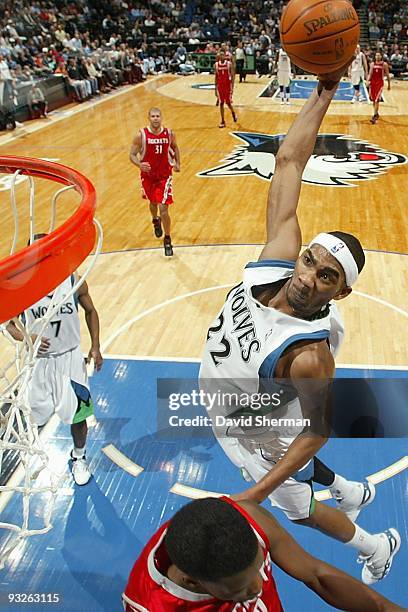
<point>63,331</point>
<point>283,61</point>
<point>357,64</point>
<point>247,339</point>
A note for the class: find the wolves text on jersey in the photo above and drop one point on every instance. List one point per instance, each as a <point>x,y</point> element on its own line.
<point>243,327</point>
<point>40,311</point>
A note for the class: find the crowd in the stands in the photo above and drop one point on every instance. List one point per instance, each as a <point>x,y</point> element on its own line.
<point>99,45</point>
<point>388,20</point>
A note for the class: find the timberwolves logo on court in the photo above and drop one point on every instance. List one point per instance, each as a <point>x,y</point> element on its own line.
<point>337,160</point>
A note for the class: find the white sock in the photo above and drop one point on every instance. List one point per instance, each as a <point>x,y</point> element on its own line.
<point>341,486</point>
<point>282,95</point>
<point>364,542</point>
<point>78,453</point>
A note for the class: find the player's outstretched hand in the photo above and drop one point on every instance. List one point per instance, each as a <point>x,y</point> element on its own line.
<point>95,354</point>
<point>176,167</point>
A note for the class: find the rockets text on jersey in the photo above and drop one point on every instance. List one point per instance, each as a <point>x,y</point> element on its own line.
<point>158,151</point>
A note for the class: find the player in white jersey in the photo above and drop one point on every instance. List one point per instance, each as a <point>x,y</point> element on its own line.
<point>281,323</point>
<point>59,382</point>
<point>284,71</point>
<point>358,72</point>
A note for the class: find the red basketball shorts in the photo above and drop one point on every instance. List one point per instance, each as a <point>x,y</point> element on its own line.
<point>225,95</point>
<point>159,191</point>
<point>376,91</point>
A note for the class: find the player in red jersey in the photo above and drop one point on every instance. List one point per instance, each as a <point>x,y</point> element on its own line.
<point>224,85</point>
<point>154,150</point>
<point>375,81</point>
<point>216,554</point>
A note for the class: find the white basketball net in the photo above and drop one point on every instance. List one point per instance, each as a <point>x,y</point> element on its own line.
<point>18,432</point>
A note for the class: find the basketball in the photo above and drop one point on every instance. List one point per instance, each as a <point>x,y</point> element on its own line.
<point>319,36</point>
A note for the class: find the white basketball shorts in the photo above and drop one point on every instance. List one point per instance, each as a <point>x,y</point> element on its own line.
<point>60,385</point>
<point>283,78</point>
<point>293,497</point>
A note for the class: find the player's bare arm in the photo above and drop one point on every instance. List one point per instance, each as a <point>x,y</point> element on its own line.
<point>335,587</point>
<point>176,154</point>
<point>365,66</point>
<point>232,74</point>
<point>284,238</point>
<point>92,322</point>
<point>387,74</point>
<point>311,369</point>
<point>16,334</point>
<point>135,151</point>
<point>370,74</point>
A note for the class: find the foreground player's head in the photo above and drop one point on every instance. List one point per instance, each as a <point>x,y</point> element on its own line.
<point>216,550</point>
<point>155,117</point>
<point>325,270</point>
<point>378,57</point>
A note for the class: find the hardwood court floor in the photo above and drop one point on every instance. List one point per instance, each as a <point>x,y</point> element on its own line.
<point>218,211</point>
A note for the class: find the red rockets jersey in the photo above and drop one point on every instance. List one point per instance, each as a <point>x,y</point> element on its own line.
<point>157,149</point>
<point>378,73</point>
<point>223,72</point>
<point>149,589</point>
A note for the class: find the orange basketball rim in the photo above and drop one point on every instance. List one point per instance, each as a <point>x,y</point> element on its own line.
<point>29,274</point>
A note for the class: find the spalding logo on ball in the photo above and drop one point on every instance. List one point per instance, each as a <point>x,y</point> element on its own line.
<point>319,36</point>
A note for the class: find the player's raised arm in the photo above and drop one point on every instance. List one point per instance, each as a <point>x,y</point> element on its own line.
<point>335,587</point>
<point>283,232</point>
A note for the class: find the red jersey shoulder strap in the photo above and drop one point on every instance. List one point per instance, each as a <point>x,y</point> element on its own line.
<point>250,520</point>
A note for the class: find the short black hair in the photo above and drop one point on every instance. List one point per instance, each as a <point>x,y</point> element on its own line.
<point>209,539</point>
<point>354,246</point>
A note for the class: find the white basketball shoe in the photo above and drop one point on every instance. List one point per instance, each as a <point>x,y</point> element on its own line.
<point>359,495</point>
<point>377,566</point>
<point>80,470</point>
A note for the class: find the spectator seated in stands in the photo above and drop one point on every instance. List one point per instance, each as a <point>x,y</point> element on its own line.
<point>36,102</point>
